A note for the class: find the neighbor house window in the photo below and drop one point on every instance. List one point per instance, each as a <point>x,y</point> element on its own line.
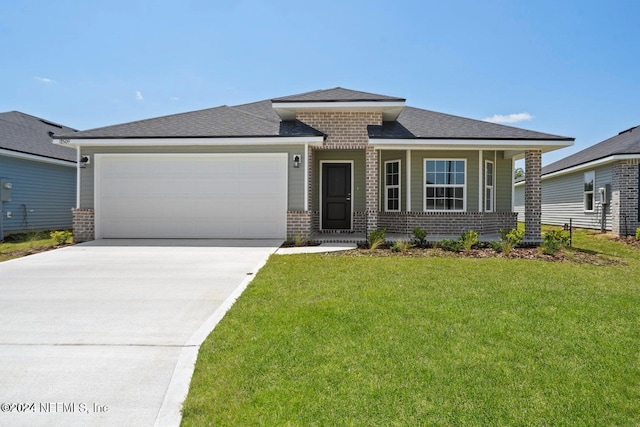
<point>589,183</point>
<point>392,186</point>
<point>445,185</point>
<point>488,186</point>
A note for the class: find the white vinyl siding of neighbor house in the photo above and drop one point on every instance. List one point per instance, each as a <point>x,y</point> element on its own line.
<point>295,187</point>
<point>563,199</point>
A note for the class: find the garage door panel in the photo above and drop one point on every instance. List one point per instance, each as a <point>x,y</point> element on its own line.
<point>191,196</point>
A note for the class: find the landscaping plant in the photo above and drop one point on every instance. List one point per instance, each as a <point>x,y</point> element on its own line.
<point>61,237</point>
<point>419,237</point>
<point>509,240</point>
<point>554,240</point>
<point>401,246</point>
<point>468,240</point>
<point>376,238</point>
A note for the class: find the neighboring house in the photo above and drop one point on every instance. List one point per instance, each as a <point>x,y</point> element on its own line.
<point>37,178</point>
<point>326,161</point>
<point>594,188</point>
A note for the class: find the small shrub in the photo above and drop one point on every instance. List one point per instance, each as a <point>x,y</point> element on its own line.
<point>376,238</point>
<point>401,246</point>
<point>468,240</point>
<point>638,233</point>
<point>419,237</point>
<point>554,240</point>
<point>451,245</point>
<point>61,237</point>
<point>509,240</point>
<point>298,240</point>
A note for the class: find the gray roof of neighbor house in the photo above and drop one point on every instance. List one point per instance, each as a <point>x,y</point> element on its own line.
<point>27,134</point>
<point>259,119</point>
<point>626,142</point>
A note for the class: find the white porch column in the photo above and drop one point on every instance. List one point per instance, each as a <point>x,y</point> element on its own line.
<point>407,171</point>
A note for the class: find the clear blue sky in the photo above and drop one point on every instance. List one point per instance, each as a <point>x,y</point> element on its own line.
<point>571,66</point>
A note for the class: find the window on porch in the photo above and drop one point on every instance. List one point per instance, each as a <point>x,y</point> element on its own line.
<point>392,186</point>
<point>488,186</point>
<point>445,185</point>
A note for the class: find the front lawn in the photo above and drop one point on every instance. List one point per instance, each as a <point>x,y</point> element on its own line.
<point>343,340</point>
<point>19,245</point>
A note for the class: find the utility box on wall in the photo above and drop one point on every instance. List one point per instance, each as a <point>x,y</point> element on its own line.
<point>5,189</point>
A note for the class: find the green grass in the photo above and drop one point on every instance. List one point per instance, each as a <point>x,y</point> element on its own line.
<point>336,340</point>
<point>18,245</point>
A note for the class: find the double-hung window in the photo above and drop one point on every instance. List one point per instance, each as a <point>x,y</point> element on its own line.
<point>392,186</point>
<point>445,185</point>
<point>488,186</point>
<point>589,183</point>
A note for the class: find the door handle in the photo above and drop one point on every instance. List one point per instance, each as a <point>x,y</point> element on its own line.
<point>348,197</point>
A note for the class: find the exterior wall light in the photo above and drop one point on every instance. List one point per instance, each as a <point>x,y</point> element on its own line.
<point>296,160</point>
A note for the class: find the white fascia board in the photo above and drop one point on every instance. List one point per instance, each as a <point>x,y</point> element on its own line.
<point>518,145</point>
<point>36,158</point>
<point>588,165</point>
<point>151,142</point>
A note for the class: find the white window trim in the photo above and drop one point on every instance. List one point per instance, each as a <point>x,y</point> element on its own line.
<point>386,187</point>
<point>592,192</point>
<point>488,186</point>
<point>425,186</point>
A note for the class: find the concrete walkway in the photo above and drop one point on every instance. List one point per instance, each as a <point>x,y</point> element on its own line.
<point>106,333</point>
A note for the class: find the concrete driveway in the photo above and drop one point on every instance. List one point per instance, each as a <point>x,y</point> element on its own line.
<point>107,332</point>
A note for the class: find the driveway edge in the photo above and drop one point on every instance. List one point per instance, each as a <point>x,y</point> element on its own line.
<point>170,413</point>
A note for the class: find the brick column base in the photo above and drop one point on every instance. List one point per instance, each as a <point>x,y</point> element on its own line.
<point>83,225</point>
<point>299,225</point>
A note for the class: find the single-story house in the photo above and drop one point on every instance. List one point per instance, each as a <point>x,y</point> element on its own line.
<point>326,161</point>
<point>597,187</point>
<point>37,178</point>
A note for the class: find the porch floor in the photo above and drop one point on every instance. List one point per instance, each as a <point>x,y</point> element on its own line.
<point>392,237</point>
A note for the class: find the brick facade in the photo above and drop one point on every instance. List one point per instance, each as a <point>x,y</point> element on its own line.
<point>624,197</point>
<point>299,224</point>
<point>447,223</point>
<point>533,197</point>
<point>345,130</point>
<point>371,192</point>
<point>83,225</point>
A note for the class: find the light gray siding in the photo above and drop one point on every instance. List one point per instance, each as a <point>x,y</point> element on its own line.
<point>295,185</point>
<point>563,199</point>
<point>42,196</point>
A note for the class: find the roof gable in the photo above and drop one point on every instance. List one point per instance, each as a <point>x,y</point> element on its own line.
<point>337,94</point>
<point>28,134</point>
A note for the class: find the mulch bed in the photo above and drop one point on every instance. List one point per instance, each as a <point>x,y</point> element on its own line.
<point>570,256</point>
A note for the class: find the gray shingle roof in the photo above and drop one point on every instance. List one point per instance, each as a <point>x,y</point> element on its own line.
<point>249,120</point>
<point>337,94</point>
<point>28,134</point>
<point>419,123</point>
<point>626,142</point>
<point>259,119</point>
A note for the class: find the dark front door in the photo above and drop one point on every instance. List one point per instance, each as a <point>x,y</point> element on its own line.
<point>336,196</point>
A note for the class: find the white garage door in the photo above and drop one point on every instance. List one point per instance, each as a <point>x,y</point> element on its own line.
<point>191,196</point>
